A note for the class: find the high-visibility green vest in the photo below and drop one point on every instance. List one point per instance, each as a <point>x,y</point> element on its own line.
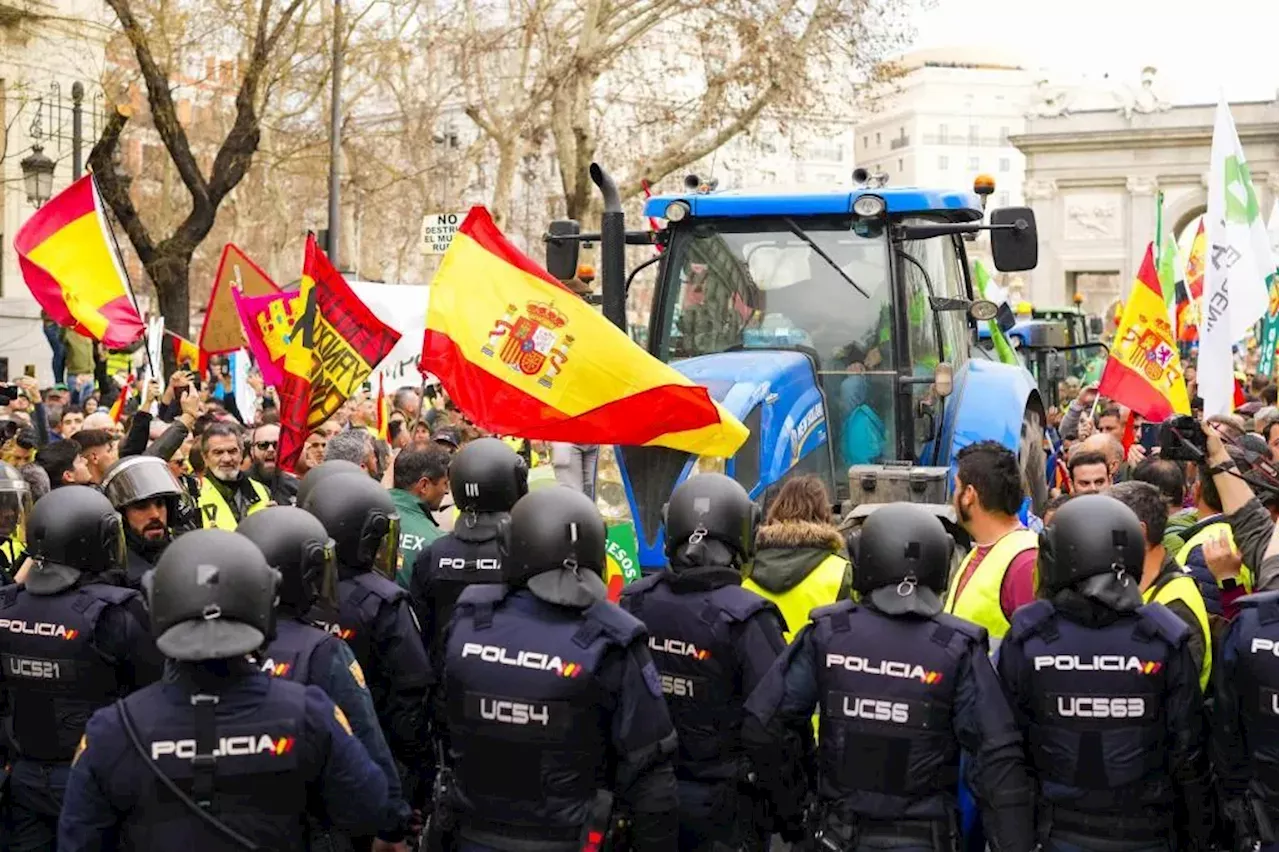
<point>1201,537</point>
<point>119,362</point>
<point>216,514</point>
<point>980,600</point>
<point>1183,587</point>
<point>820,588</point>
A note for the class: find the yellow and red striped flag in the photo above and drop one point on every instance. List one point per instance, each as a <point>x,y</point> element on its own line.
<point>330,351</point>
<point>72,269</point>
<point>1143,370</point>
<point>117,407</point>
<point>520,354</point>
<point>188,355</point>
<point>384,412</point>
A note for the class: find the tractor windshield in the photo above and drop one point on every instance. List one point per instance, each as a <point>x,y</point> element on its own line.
<point>745,284</point>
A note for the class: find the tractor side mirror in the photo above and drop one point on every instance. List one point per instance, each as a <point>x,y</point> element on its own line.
<point>562,255</point>
<point>1014,247</point>
<point>1095,327</point>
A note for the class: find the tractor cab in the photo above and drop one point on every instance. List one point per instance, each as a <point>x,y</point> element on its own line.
<point>836,325</point>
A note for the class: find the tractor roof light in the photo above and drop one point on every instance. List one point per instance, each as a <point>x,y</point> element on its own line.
<point>984,185</point>
<point>676,211</point>
<point>868,206</point>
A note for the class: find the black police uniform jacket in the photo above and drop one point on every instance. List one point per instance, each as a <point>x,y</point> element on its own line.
<point>547,705</point>
<point>375,619</point>
<point>64,656</point>
<point>713,642</point>
<point>1244,719</point>
<point>283,750</point>
<point>447,566</point>
<point>898,698</point>
<point>1111,705</point>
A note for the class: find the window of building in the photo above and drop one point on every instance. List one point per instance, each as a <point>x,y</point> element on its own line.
<point>865,142</point>
<point>973,164</point>
<point>899,165</point>
<point>1004,136</point>
<point>877,138</point>
<point>943,133</point>
<point>973,134</point>
<point>944,162</point>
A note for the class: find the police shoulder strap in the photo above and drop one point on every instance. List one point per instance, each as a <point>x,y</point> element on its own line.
<point>209,819</point>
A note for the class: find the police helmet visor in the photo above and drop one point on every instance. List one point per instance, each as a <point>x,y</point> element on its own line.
<point>136,479</point>
<point>15,509</point>
<point>322,572</point>
<point>386,551</point>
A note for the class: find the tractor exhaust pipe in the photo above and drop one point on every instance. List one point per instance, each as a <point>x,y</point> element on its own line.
<point>613,243</point>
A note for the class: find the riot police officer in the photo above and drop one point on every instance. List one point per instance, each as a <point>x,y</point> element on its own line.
<point>219,756</point>
<point>319,474</point>
<point>713,641</point>
<point>296,545</point>
<point>555,706</point>
<point>374,616</point>
<point>902,687</point>
<point>1107,690</point>
<point>148,497</point>
<point>15,506</point>
<point>486,479</point>
<point>74,639</point>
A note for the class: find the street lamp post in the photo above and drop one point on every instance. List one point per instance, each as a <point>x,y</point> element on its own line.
<point>335,140</point>
<point>37,176</point>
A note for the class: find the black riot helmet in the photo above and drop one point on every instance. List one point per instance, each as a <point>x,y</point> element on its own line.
<point>15,503</point>
<point>487,476</point>
<point>902,556</point>
<point>1092,535</point>
<point>712,506</point>
<point>320,473</point>
<point>133,479</point>
<point>296,544</point>
<point>73,530</point>
<point>212,597</point>
<point>551,528</point>
<point>361,519</point>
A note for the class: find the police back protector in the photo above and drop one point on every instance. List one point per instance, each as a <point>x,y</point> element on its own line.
<point>454,565</point>
<point>1097,737</point>
<point>692,643</point>
<point>529,725</point>
<point>887,748</point>
<point>54,676</point>
<point>361,598</point>
<point>1257,673</point>
<point>259,786</point>
<point>291,653</point>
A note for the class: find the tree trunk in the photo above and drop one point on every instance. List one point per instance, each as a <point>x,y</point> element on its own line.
<point>170,273</point>
<point>508,161</point>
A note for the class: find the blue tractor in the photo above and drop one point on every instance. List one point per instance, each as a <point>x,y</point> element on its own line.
<point>839,326</point>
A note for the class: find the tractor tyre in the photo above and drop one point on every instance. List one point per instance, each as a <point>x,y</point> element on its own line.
<point>1032,458</point>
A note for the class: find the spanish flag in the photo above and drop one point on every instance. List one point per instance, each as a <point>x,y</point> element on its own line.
<point>117,407</point>
<point>330,350</point>
<point>520,354</point>
<point>187,355</point>
<point>384,412</point>
<point>1143,370</point>
<point>72,269</point>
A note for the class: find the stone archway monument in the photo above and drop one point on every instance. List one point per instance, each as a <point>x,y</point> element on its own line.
<point>1093,175</point>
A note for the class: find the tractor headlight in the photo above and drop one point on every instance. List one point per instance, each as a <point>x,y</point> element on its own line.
<point>868,206</point>
<point>611,494</point>
<point>676,211</point>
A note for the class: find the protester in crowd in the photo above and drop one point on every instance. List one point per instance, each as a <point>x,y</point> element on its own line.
<point>263,442</point>
<point>1111,449</point>
<point>1089,471</point>
<point>98,447</point>
<point>64,464</point>
<point>1169,478</point>
<point>227,494</point>
<point>355,446</point>
<point>421,480</point>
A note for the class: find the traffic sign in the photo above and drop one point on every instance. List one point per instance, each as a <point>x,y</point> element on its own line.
<point>438,230</point>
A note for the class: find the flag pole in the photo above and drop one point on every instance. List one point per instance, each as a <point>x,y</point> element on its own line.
<point>124,268</point>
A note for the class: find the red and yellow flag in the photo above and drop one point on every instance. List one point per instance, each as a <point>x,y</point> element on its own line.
<point>331,349</point>
<point>384,412</point>
<point>1188,308</point>
<point>1143,370</point>
<point>220,332</point>
<point>187,355</point>
<point>117,407</point>
<point>520,354</point>
<point>72,269</point>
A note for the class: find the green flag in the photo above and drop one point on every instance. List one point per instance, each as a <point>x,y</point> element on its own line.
<point>1166,263</point>
<point>1004,351</point>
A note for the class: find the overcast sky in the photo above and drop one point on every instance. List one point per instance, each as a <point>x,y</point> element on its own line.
<point>1198,46</point>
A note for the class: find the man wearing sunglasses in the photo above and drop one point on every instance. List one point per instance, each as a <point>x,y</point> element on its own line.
<point>263,443</point>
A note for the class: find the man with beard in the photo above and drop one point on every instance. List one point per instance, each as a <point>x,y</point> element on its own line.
<point>227,494</point>
<point>147,495</point>
<point>263,442</point>
<point>998,574</point>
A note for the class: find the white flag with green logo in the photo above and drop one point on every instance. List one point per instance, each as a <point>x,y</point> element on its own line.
<point>1238,263</point>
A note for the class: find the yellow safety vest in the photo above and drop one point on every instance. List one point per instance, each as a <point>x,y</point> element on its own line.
<point>216,514</point>
<point>1183,587</point>
<point>1208,532</point>
<point>980,601</point>
<point>12,552</point>
<point>820,588</point>
<point>119,362</point>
